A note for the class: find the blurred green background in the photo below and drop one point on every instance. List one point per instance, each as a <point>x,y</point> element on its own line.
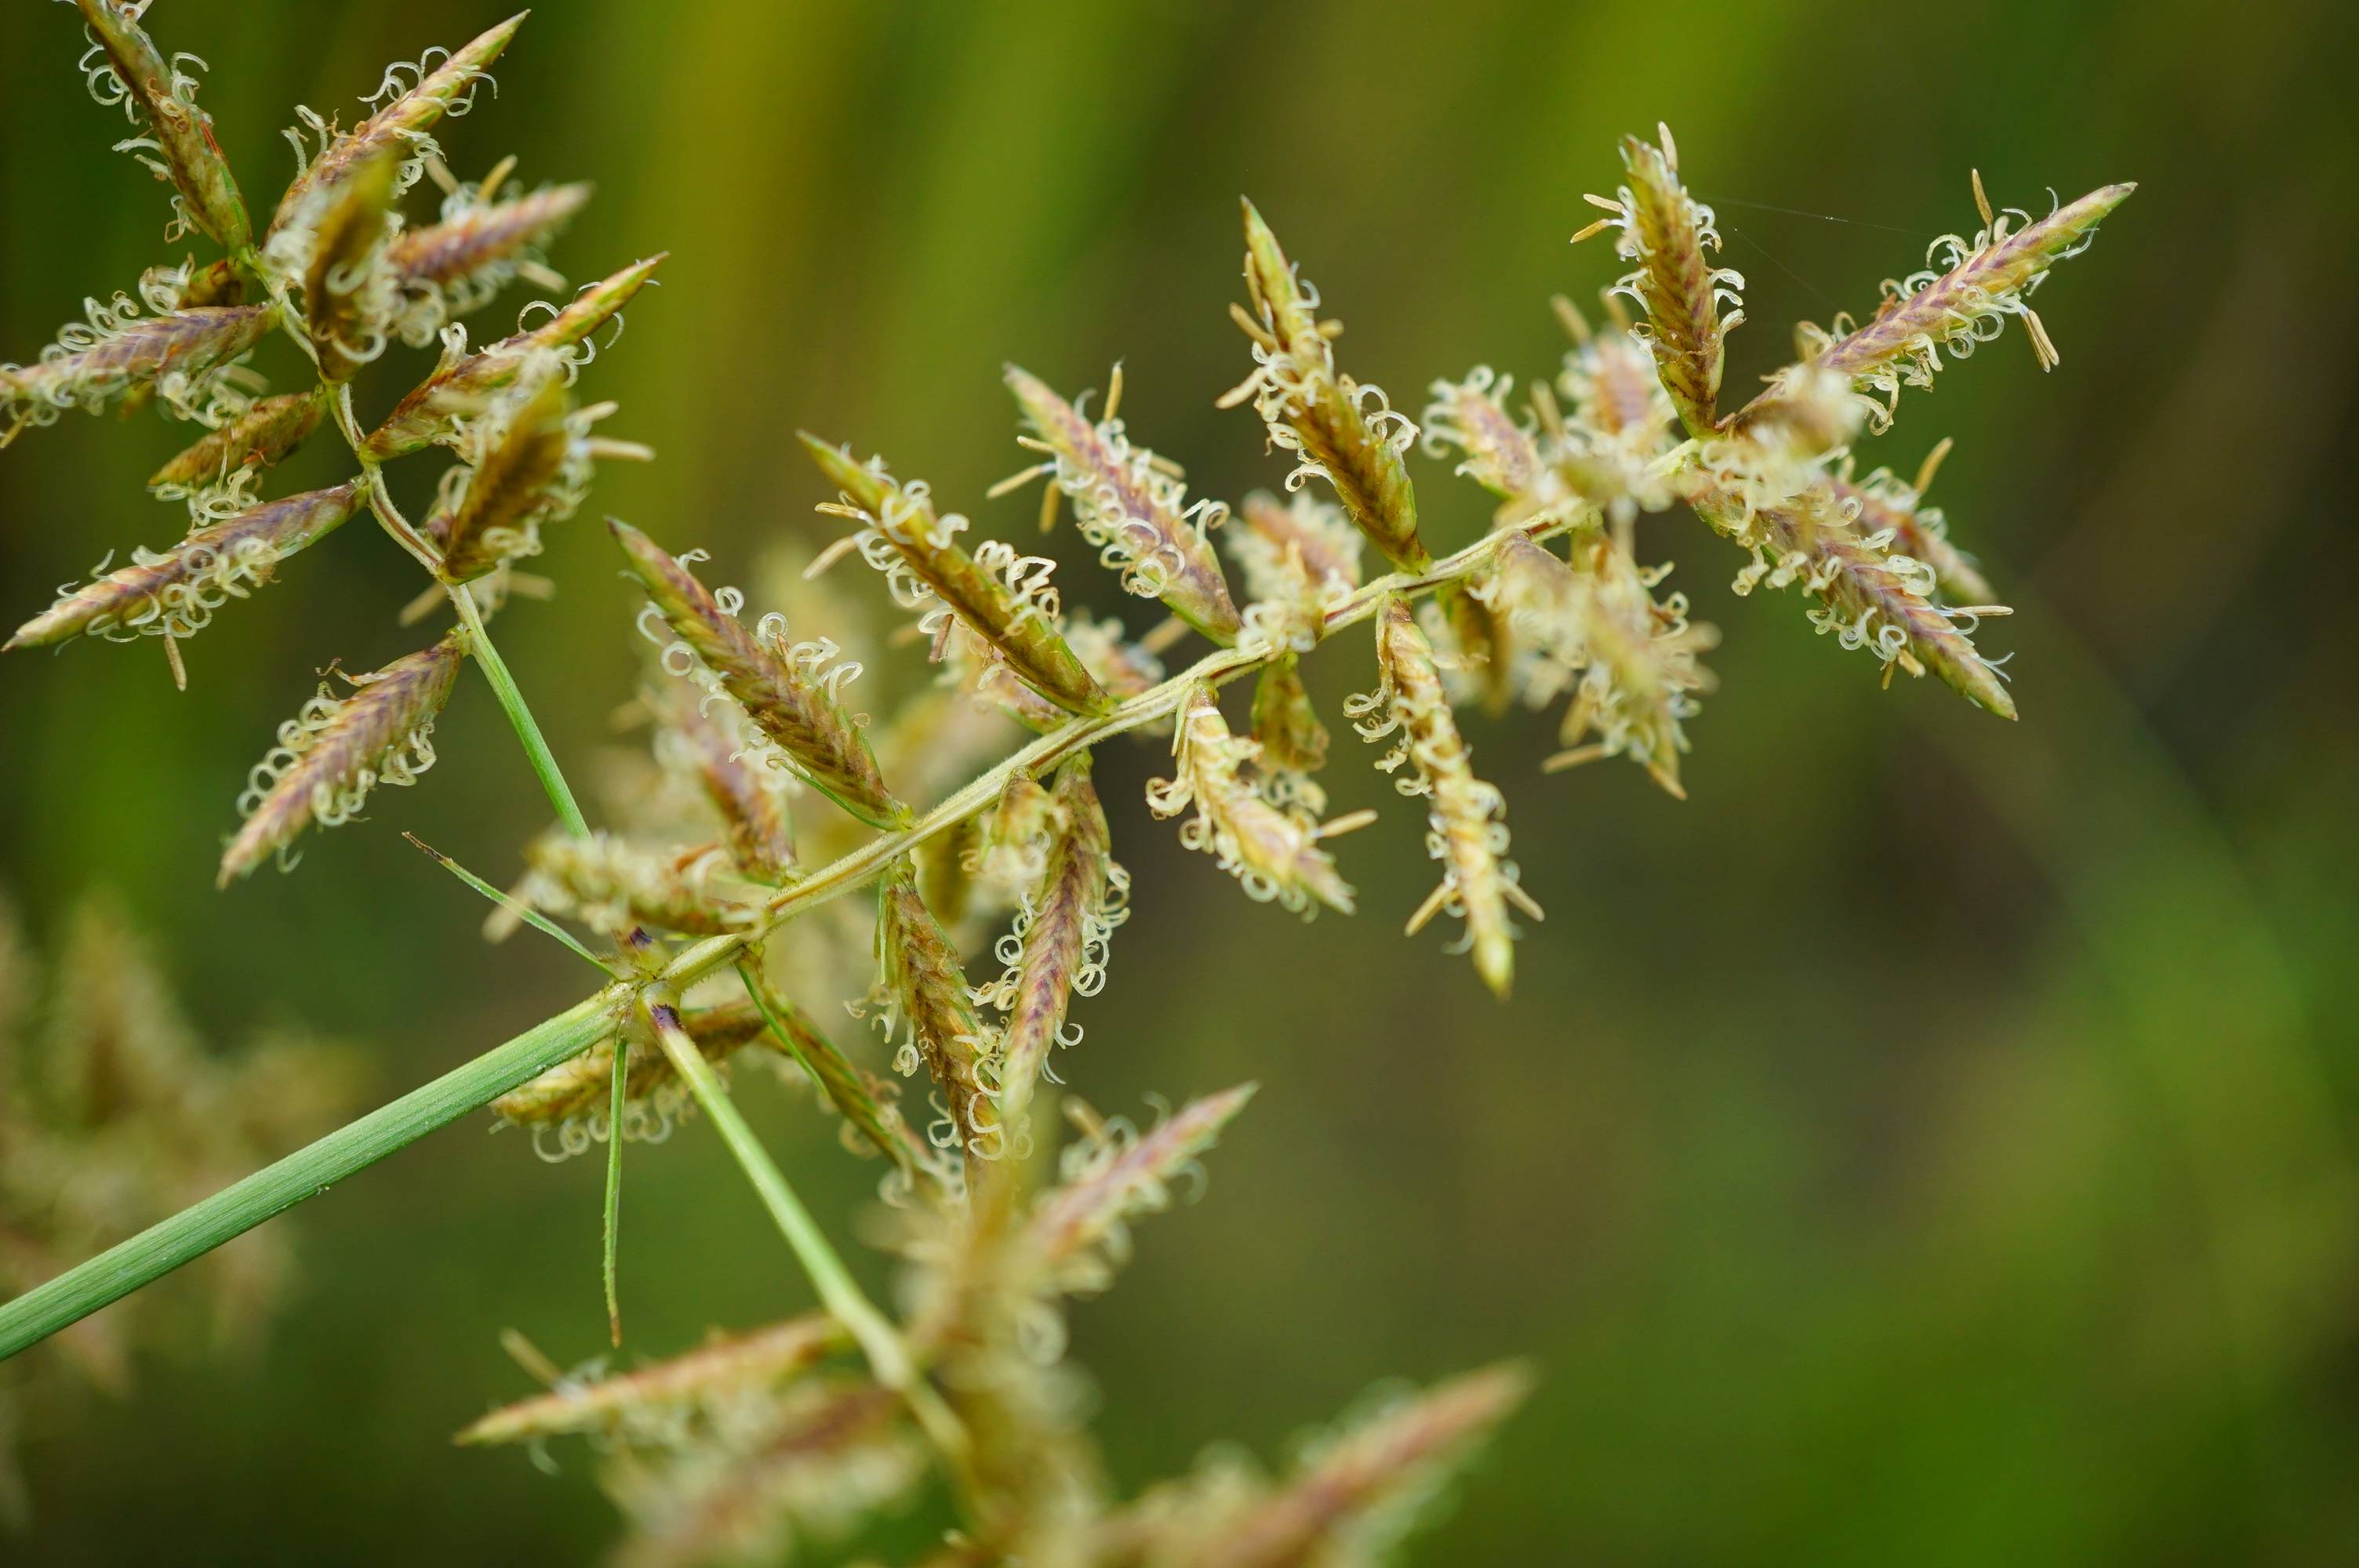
<point>1930,1143</point>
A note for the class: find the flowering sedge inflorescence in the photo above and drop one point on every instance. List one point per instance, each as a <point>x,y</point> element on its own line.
<point>997,890</point>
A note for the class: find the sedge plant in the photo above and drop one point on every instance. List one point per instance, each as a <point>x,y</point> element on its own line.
<point>719,892</point>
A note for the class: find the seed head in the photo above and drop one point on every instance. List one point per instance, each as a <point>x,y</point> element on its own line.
<point>528,462</point>
<point>163,97</point>
<point>1058,949</point>
<point>179,355</point>
<point>708,736</point>
<point>434,409</point>
<point>336,241</point>
<point>1343,432</point>
<point>1500,453</point>
<point>174,593</point>
<point>330,756</point>
<point>612,885</point>
<point>789,692</point>
<point>922,997</point>
<point>1467,829</point>
<point>1078,1230</point>
<point>480,246</point>
<point>403,124</point>
<point>1133,507</point>
<point>1005,599</point>
<point>573,1098</point>
<point>1666,232</point>
<point>1300,558</point>
<point>1884,502</point>
<point>1273,853</point>
<point>258,439</point>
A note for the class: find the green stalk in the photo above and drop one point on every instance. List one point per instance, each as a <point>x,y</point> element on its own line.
<point>888,1358</point>
<point>504,687</point>
<point>614,1109</point>
<point>192,1232</point>
<point>310,1171</point>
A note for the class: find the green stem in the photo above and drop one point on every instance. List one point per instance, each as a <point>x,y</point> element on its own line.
<point>504,687</point>
<point>616,1106</point>
<point>888,1358</point>
<point>84,1289</point>
<point>310,1171</point>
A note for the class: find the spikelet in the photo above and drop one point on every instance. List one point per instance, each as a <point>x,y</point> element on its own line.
<point>1635,657</point>
<point>1868,598</point>
<point>1005,599</point>
<point>1961,299</point>
<point>569,1102</point>
<point>1666,232</point>
<point>1132,506</point>
<point>162,96</point>
<point>1467,818</point>
<point>788,692</point>
<point>1300,558</point>
<point>480,246</point>
<point>1885,502</point>
<point>1293,741</point>
<point>1341,431</point>
<point>1273,853</point>
<point>708,736</point>
<point>1058,948</point>
<point>182,356</point>
<point>1352,1494</point>
<point>186,285</point>
<point>528,462</point>
<point>174,593</point>
<point>258,439</point>
<point>611,885</point>
<point>336,242</point>
<point>330,756</point>
<point>922,995</point>
<point>1078,1230</point>
<point>432,410</point>
<point>809,1462</point>
<point>872,1116</point>
<point>1500,453</point>
<point>651,1401</point>
<point>401,127</point>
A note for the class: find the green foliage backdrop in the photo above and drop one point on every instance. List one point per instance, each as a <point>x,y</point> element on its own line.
<point>1931,1142</point>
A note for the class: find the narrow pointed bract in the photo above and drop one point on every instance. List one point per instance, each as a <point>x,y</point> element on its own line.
<point>336,751</point>
<point>174,593</point>
<point>785,691</point>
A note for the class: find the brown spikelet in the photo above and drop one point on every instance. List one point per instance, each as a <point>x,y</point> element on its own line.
<point>1385,1463</point>
<point>402,127</point>
<point>479,238</point>
<point>258,438</point>
<point>330,756</point>
<point>1882,503</point>
<point>1286,722</point>
<point>1273,853</point>
<point>215,283</point>
<point>162,96</point>
<point>781,689</point>
<point>709,735</point>
<point>1666,232</point>
<point>867,1103</point>
<point>1115,1178</point>
<point>1468,830</point>
<point>922,995</point>
<point>1320,415</point>
<point>121,351</point>
<point>613,885</point>
<point>348,283</point>
<point>1868,598</point>
<point>527,467</point>
<point>1130,507</point>
<point>726,1365</point>
<point>1002,597</point>
<point>1965,299</point>
<point>1500,452</point>
<point>1299,557</point>
<point>432,410</point>
<point>174,593</point>
<point>1062,934</point>
<point>581,1088</point>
